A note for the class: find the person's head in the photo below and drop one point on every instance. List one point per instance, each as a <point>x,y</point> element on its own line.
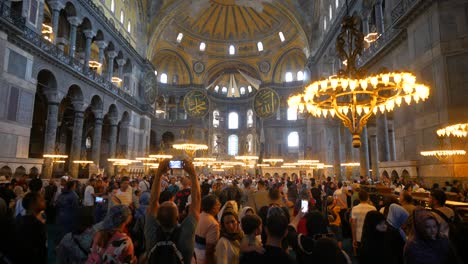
<point>277,226</point>
<point>315,224</point>
<point>326,250</point>
<point>426,226</point>
<point>33,203</point>
<point>229,222</point>
<point>118,217</point>
<point>437,198</point>
<point>261,185</point>
<point>340,184</point>
<point>173,180</point>
<point>406,198</point>
<point>92,182</point>
<point>166,196</point>
<point>19,192</point>
<point>363,196</point>
<point>84,221</point>
<point>251,224</point>
<point>397,215</point>
<point>35,185</point>
<point>274,194</point>
<point>374,224</point>
<point>124,183</point>
<point>71,185</point>
<point>331,201</point>
<point>168,215</point>
<point>210,204</point>
<point>185,182</point>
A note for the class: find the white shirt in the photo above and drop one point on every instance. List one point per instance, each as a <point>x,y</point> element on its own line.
<point>358,214</point>
<point>341,198</point>
<point>88,199</point>
<point>125,198</point>
<point>143,186</point>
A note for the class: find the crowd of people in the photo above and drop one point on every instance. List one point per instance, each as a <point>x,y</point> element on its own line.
<point>230,219</point>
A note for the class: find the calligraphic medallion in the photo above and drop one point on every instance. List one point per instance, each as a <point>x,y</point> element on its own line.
<point>266,103</point>
<point>196,103</point>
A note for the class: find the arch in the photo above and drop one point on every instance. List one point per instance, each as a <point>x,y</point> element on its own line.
<point>231,65</point>
<point>405,174</point>
<point>125,117</point>
<point>233,120</point>
<point>167,139</point>
<point>395,176</point>
<point>70,9</point>
<point>172,63</point>
<point>113,112</point>
<point>99,35</point>
<point>385,174</point>
<point>128,66</point>
<point>233,145</point>
<point>293,139</point>
<point>215,118</point>
<point>33,172</point>
<point>250,120</point>
<point>292,60</point>
<point>75,93</point>
<point>20,171</point>
<point>46,80</point>
<point>86,24</point>
<point>5,171</point>
<point>96,103</point>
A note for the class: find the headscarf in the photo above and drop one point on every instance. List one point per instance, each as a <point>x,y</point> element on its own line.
<point>144,204</point>
<point>315,224</point>
<point>244,212</point>
<point>397,216</point>
<point>19,192</point>
<point>116,216</point>
<point>230,236</point>
<point>369,231</point>
<point>419,227</point>
<point>229,205</point>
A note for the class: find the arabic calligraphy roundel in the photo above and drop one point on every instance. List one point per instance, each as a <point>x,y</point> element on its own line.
<point>266,103</point>
<point>196,103</point>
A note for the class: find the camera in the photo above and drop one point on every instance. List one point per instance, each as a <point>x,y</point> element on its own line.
<point>176,164</point>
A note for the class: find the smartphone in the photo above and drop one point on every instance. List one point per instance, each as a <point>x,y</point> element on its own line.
<point>304,206</point>
<point>99,199</point>
<point>176,164</point>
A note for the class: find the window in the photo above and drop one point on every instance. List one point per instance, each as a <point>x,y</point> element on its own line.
<point>163,78</point>
<point>33,12</point>
<point>113,6</point>
<point>202,46</point>
<point>121,16</point>
<point>292,114</point>
<point>293,140</point>
<point>281,36</point>
<point>249,88</point>
<point>242,90</point>
<point>129,27</point>
<point>300,76</point>
<point>215,143</point>
<point>289,77</point>
<point>216,88</point>
<point>233,120</point>
<point>215,118</point>
<point>232,50</point>
<point>330,11</point>
<point>260,46</point>
<point>156,73</point>
<point>250,118</point>
<point>324,23</point>
<point>224,90</point>
<point>337,3</point>
<point>233,90</point>
<point>233,145</point>
<point>249,143</point>
<point>180,37</point>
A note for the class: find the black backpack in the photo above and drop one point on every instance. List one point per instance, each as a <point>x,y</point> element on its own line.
<point>165,250</point>
<point>458,232</point>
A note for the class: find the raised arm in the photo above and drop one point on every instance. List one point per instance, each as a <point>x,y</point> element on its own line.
<point>156,188</point>
<point>196,194</point>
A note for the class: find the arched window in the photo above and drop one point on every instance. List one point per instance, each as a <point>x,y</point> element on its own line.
<point>121,16</point>
<point>163,78</point>
<point>232,50</point>
<point>224,90</point>
<point>249,118</point>
<point>324,23</point>
<point>249,143</point>
<point>260,46</point>
<point>249,88</point>
<point>233,120</point>
<point>300,75</point>
<point>289,77</point>
<point>233,145</point>
<point>202,46</point>
<point>216,88</point>
<point>330,11</point>
<point>112,6</point>
<point>180,37</point>
<point>215,143</point>
<point>281,35</point>
<point>292,114</point>
<point>215,118</point>
<point>129,26</point>
<point>293,139</point>
<point>242,90</point>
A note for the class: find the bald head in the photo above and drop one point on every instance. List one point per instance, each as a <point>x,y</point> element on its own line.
<point>168,214</point>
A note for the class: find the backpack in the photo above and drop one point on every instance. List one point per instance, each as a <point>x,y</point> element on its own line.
<point>458,233</point>
<point>165,250</point>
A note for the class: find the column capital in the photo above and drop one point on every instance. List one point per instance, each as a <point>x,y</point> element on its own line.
<point>372,131</point>
<point>56,5</point>
<point>78,106</point>
<point>113,121</point>
<point>97,114</point>
<point>121,62</point>
<point>75,21</point>
<point>79,114</point>
<point>98,120</point>
<point>112,54</point>
<point>52,97</point>
<point>102,44</point>
<point>89,34</point>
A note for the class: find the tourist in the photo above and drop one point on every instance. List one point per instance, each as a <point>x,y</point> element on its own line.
<point>334,219</point>
<point>182,198</point>
<point>111,244</point>
<point>208,230</point>
<point>259,199</point>
<point>358,214</point>
<point>341,196</point>
<point>374,244</point>
<point>144,185</point>
<point>138,230</point>
<point>428,245</point>
<point>396,237</point>
<point>89,197</point>
<point>173,187</point>
<point>228,246</point>
<point>162,218</point>
<point>67,204</point>
<point>443,214</point>
<point>252,227</point>
<point>124,194</point>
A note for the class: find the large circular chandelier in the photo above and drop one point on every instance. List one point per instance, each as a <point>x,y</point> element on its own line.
<point>351,95</point>
<point>457,130</point>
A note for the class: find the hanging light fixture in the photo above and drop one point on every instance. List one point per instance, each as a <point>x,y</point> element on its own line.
<point>353,96</point>
<point>457,130</point>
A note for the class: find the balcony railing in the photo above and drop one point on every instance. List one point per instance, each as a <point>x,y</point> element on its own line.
<point>378,45</point>
<point>404,8</point>
<point>54,52</point>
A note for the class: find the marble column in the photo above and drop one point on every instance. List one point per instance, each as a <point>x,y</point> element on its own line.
<point>110,64</point>
<point>56,6</point>
<point>121,63</point>
<point>77,138</point>
<point>391,135</point>
<point>177,109</point>
<point>336,151</point>
<point>379,17</point>
<point>97,133</point>
<point>74,23</point>
<point>374,156</point>
<point>101,56</point>
<point>382,135</point>
<point>365,25</point>
<point>89,34</point>
<point>112,146</point>
<point>364,153</point>
<point>166,109</point>
<point>51,132</point>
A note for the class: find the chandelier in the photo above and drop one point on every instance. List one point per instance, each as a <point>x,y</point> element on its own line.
<point>190,148</point>
<point>457,130</point>
<point>443,155</point>
<point>353,96</point>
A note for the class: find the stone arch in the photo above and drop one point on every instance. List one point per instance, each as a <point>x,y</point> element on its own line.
<point>113,111</point>
<point>405,174</point>
<point>46,80</point>
<point>99,35</point>
<point>5,171</point>
<point>75,93</point>
<point>172,63</point>
<point>394,176</point>
<point>292,60</point>
<point>20,171</point>
<point>385,174</point>
<point>96,103</point>
<point>167,139</point>
<point>33,172</point>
